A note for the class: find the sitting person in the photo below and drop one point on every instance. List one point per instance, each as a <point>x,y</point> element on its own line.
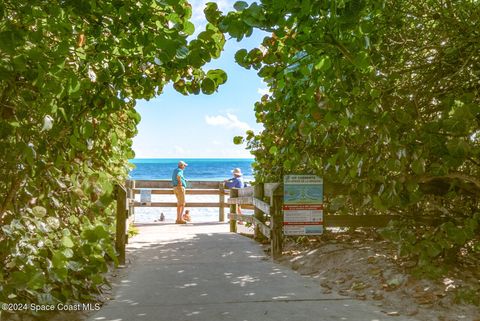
<point>186,216</point>
<point>236,182</point>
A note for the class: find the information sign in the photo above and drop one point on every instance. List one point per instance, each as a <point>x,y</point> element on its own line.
<point>303,205</point>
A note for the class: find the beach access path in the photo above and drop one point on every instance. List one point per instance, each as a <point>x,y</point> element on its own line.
<point>202,272</point>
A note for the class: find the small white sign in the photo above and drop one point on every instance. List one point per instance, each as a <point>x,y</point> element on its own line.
<point>303,179</point>
<point>295,216</point>
<point>145,196</point>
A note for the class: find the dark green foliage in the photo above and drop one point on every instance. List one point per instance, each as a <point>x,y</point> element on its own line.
<point>70,73</point>
<point>382,99</point>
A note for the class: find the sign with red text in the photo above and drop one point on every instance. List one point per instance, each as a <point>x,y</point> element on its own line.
<point>302,205</point>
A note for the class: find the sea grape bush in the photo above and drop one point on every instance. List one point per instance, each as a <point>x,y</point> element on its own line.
<point>382,99</point>
<point>70,74</point>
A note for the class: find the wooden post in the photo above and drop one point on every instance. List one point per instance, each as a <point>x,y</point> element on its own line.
<point>121,225</point>
<point>130,185</point>
<point>221,210</point>
<point>233,209</point>
<point>258,194</point>
<point>276,223</point>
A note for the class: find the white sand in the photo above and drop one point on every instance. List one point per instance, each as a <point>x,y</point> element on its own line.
<point>199,214</point>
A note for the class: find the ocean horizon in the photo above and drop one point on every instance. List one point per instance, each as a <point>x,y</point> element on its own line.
<point>208,169</point>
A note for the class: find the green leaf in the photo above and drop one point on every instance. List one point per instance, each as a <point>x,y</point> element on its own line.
<point>324,64</point>
<point>111,253</point>
<point>218,76</point>
<point>193,87</point>
<point>36,281</point>
<point>120,68</point>
<point>378,203</point>
<point>306,7</point>
<point>458,148</point>
<point>9,40</point>
<point>256,12</point>
<point>180,86</point>
<point>238,140</point>
<point>208,86</point>
<point>189,28</point>
<point>418,166</point>
<point>362,60</point>
<point>212,14</point>
<point>240,5</point>
<point>98,279</point>
<point>88,130</point>
<point>74,86</point>
<point>67,242</point>
<point>130,154</point>
<point>61,273</point>
<point>68,253</point>
<point>375,93</point>
<point>39,211</point>
<point>240,56</point>
<point>101,232</point>
<point>433,249</point>
<point>338,203</point>
<point>20,279</point>
<point>81,53</point>
<point>267,72</point>
<point>58,259</point>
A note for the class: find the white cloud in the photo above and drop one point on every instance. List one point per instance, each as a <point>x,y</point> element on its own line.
<point>264,91</point>
<point>231,121</point>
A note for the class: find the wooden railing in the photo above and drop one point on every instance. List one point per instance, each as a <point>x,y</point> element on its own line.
<point>164,187</point>
<point>272,209</point>
<point>267,200</point>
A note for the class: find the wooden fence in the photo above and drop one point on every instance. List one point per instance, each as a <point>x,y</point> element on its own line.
<point>273,229</point>
<point>267,200</point>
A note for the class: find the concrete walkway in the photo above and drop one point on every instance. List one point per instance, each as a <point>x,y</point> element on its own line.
<point>201,272</point>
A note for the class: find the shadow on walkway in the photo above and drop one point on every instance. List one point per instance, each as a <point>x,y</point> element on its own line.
<point>202,272</point>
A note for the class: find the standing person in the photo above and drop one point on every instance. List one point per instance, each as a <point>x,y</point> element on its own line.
<point>236,182</point>
<point>179,184</point>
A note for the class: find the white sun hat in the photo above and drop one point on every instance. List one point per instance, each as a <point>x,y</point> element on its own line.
<point>237,171</point>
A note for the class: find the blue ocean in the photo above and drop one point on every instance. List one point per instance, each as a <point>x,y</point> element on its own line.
<point>208,169</point>
<point>198,169</point>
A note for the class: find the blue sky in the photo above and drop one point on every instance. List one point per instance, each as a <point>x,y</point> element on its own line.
<point>203,126</point>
